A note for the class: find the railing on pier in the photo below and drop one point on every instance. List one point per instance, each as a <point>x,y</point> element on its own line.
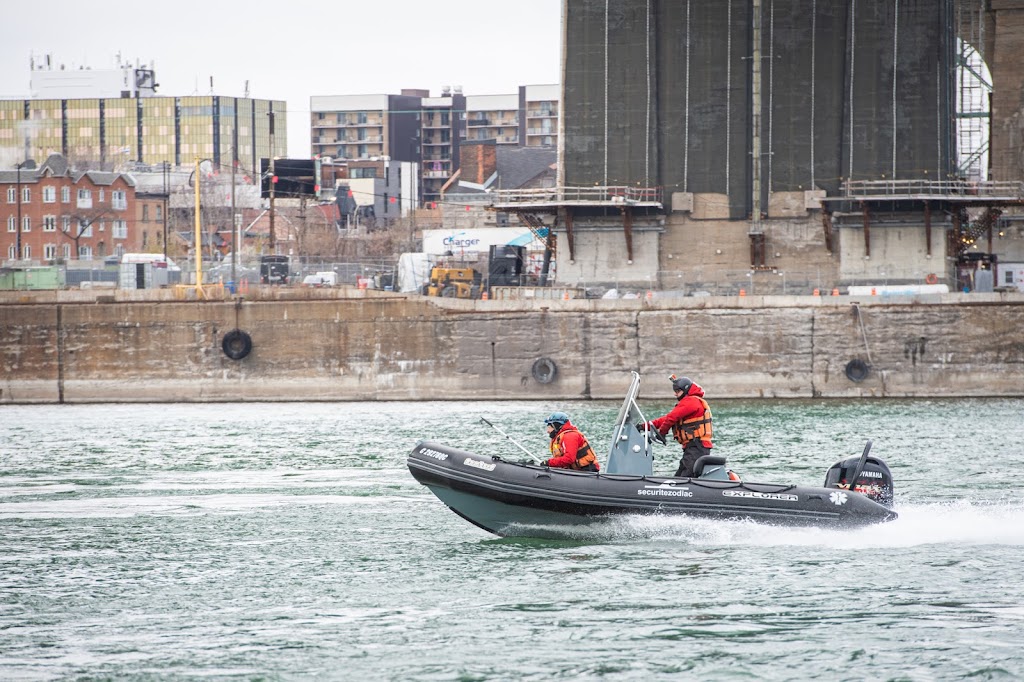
<point>939,190</point>
<point>610,195</point>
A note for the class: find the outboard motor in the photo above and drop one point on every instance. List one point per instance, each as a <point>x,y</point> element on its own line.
<point>874,480</point>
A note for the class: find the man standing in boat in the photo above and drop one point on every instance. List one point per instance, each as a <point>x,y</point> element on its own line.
<point>569,447</point>
<point>689,421</point>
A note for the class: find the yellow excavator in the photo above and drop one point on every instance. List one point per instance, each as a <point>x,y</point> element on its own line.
<point>453,283</point>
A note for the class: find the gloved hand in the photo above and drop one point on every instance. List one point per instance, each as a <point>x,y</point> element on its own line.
<point>640,426</point>
<point>658,436</point>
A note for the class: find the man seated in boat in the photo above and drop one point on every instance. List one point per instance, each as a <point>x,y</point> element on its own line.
<point>569,447</point>
<point>689,421</point>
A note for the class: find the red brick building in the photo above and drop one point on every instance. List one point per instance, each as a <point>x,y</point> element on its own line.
<point>53,212</point>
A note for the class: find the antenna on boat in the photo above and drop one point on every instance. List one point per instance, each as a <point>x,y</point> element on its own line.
<point>516,443</point>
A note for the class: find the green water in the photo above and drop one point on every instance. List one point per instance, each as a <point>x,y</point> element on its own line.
<point>288,541</point>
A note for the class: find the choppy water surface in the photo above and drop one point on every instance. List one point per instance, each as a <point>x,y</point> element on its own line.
<point>290,541</point>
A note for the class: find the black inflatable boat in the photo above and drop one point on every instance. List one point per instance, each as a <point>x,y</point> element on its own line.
<point>510,498</point>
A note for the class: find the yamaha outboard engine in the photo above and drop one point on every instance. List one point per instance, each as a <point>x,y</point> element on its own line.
<point>874,479</point>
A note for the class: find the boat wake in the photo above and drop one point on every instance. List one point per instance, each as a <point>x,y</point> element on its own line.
<point>961,523</point>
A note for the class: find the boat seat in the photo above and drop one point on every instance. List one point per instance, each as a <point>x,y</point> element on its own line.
<point>707,460</point>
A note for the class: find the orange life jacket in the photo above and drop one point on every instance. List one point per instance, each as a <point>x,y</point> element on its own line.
<point>698,427</point>
<point>586,460</point>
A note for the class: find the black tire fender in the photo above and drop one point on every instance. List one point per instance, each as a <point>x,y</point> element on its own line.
<point>857,371</point>
<point>236,344</point>
<point>544,370</point>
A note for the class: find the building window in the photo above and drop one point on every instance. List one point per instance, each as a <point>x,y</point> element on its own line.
<point>85,252</point>
<point>84,198</point>
<point>145,213</point>
<point>159,212</point>
<point>50,251</point>
<point>11,253</point>
<point>12,195</point>
<point>65,224</point>
<point>65,195</point>
<point>120,229</point>
<point>49,195</point>
<point>364,172</point>
<point>12,224</point>
<point>118,199</point>
<point>26,195</point>
<point>26,252</point>
<point>49,223</point>
<point>103,226</point>
<point>26,224</point>
<point>67,251</point>
<point>84,229</point>
<point>102,196</point>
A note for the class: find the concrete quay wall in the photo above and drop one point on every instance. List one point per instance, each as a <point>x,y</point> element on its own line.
<point>392,347</point>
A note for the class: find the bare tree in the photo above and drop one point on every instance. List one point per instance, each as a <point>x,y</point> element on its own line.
<point>82,220</point>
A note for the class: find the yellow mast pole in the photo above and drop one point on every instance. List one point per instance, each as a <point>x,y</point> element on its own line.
<point>198,242</point>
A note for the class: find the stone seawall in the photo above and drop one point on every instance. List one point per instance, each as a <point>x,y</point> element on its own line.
<point>392,347</point>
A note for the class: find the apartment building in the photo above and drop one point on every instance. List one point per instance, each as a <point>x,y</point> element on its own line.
<point>52,212</point>
<point>443,126</point>
<point>541,104</point>
<point>528,118</point>
<point>111,119</point>
<point>492,117</point>
<point>428,131</point>
<point>366,126</point>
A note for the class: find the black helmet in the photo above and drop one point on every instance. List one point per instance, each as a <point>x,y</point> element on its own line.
<point>681,384</point>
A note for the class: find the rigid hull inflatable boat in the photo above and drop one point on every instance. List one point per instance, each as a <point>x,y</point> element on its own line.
<point>511,498</point>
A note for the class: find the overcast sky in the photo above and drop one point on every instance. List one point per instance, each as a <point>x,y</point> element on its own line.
<point>292,49</point>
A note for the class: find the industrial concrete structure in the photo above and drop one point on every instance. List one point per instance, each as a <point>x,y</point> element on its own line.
<point>737,141</point>
<point>349,345</point>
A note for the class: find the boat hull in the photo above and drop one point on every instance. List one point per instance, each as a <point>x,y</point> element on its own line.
<point>515,499</point>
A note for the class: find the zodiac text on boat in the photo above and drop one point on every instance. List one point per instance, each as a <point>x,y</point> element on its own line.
<point>665,491</point>
<point>479,465</point>
<point>761,496</point>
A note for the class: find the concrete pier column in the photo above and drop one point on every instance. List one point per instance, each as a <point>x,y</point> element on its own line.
<point>1007,66</point>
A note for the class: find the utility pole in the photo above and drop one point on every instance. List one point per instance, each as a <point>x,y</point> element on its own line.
<point>234,221</point>
<point>198,239</point>
<point>166,203</point>
<point>17,248</point>
<point>273,180</point>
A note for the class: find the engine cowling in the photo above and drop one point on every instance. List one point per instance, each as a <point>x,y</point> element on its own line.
<point>874,480</point>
